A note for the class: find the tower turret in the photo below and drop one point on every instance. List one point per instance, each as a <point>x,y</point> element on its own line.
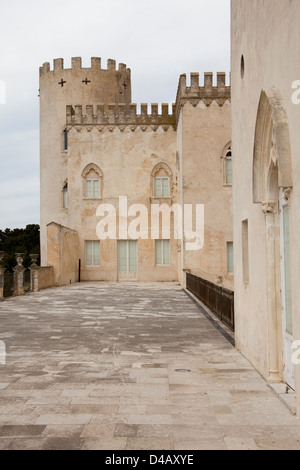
<point>59,88</point>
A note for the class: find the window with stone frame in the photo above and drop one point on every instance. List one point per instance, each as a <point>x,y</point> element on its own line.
<point>161,181</point>
<point>227,165</point>
<point>230,263</point>
<point>92,182</point>
<point>92,253</point>
<point>162,252</point>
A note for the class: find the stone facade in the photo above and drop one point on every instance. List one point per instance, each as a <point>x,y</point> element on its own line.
<point>203,136</point>
<point>96,147</point>
<point>266,190</point>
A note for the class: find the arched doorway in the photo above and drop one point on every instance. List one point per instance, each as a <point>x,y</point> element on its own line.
<point>272,188</point>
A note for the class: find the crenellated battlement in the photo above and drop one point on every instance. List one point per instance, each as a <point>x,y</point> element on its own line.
<point>121,116</point>
<point>76,64</point>
<point>206,93</point>
<point>208,90</point>
<point>78,84</point>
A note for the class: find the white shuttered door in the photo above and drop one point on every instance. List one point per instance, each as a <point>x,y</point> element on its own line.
<point>127,260</point>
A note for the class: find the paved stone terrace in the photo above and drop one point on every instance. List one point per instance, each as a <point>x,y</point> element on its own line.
<point>94,366</point>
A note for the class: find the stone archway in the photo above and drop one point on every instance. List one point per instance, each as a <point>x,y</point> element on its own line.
<point>272,141</point>
<point>272,176</point>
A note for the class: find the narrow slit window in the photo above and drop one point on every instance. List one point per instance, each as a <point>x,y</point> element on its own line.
<point>230,265</point>
<point>229,167</point>
<point>65,140</point>
<point>65,196</point>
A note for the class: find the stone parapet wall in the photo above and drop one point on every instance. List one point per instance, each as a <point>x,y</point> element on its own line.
<point>120,115</point>
<point>45,277</point>
<point>207,93</point>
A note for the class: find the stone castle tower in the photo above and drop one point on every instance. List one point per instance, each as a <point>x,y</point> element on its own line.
<point>95,147</point>
<point>58,88</point>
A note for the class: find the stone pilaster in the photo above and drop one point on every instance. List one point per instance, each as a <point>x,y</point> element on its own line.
<point>272,237</point>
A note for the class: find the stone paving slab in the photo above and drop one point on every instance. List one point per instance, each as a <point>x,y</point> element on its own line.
<point>130,367</point>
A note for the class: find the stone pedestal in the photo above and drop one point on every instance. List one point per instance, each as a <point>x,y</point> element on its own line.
<point>34,273</point>
<point>185,272</point>
<point>19,275</point>
<point>2,271</point>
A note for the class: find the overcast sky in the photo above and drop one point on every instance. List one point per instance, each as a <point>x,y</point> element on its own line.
<point>157,39</point>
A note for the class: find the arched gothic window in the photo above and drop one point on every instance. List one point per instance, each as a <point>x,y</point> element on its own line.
<point>92,182</point>
<point>227,165</point>
<point>161,181</point>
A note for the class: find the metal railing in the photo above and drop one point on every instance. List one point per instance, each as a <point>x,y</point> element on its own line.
<point>219,300</point>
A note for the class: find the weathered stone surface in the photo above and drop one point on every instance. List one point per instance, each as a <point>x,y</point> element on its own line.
<point>80,391</point>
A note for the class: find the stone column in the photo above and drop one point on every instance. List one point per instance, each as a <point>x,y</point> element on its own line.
<point>34,273</point>
<point>184,273</point>
<point>19,274</point>
<point>272,234</point>
<point>2,271</point>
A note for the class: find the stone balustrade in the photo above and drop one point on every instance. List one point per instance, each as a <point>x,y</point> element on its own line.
<point>2,271</point>
<point>40,277</point>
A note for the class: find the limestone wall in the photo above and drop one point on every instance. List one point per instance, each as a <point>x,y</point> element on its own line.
<point>107,136</point>
<point>265,56</point>
<point>126,159</point>
<point>63,253</point>
<point>45,277</point>
<point>203,132</point>
<point>59,87</point>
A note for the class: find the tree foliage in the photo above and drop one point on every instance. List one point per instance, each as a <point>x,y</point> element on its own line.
<point>19,240</point>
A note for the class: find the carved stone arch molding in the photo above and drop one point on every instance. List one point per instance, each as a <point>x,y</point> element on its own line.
<point>272,172</point>
<point>272,146</point>
<point>225,149</point>
<point>162,166</point>
<point>89,167</point>
<point>64,181</point>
